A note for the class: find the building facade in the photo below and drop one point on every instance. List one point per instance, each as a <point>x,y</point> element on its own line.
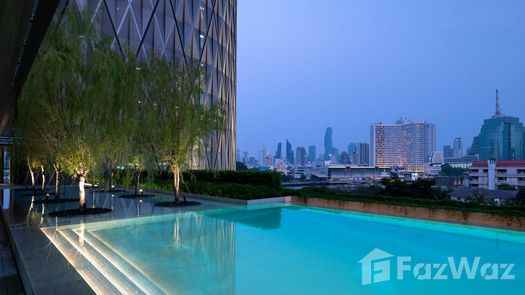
<point>458,148</point>
<point>491,173</point>
<point>289,153</point>
<point>328,144</point>
<point>197,33</point>
<point>501,137</point>
<point>405,144</point>
<point>312,154</point>
<point>300,156</point>
<point>448,152</point>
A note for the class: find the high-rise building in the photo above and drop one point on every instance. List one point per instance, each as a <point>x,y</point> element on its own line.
<point>345,158</point>
<point>430,140</point>
<point>194,32</point>
<point>279,152</point>
<point>312,154</point>
<point>458,148</point>
<point>336,155</point>
<point>362,154</point>
<point>289,153</point>
<point>448,152</point>
<point>352,149</point>
<point>300,156</point>
<point>502,137</point>
<point>404,144</point>
<point>238,155</point>
<point>359,153</point>
<point>328,144</point>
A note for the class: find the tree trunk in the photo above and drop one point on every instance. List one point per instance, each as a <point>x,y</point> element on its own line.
<point>82,192</point>
<point>176,185</point>
<point>111,188</point>
<point>109,166</point>
<point>43,180</point>
<point>58,175</point>
<point>33,181</point>
<point>137,181</point>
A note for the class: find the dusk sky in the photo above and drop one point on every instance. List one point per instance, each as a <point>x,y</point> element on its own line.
<point>304,65</point>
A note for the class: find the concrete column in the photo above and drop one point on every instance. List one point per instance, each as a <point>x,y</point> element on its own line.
<point>491,176</point>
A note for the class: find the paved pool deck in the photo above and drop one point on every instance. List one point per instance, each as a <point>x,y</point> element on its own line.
<point>42,268</point>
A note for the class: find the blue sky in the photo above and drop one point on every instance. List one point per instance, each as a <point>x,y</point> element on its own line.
<point>304,65</point>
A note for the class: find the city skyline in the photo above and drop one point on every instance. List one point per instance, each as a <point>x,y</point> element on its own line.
<point>464,52</point>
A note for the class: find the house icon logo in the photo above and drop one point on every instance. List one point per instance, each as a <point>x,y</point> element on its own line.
<point>375,267</point>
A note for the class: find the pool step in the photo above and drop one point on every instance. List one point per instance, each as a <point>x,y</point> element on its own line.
<point>123,278</point>
<point>132,272</point>
<point>100,283</point>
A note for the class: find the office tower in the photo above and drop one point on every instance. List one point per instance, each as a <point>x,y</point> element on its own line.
<point>289,153</point>
<point>328,144</point>
<point>262,155</point>
<point>194,32</point>
<point>430,140</point>
<point>448,152</point>
<point>352,149</point>
<point>238,155</point>
<point>335,154</point>
<point>245,157</point>
<point>312,154</point>
<point>502,137</point>
<point>300,156</point>
<point>402,145</point>
<point>458,148</point>
<point>362,154</point>
<point>279,152</point>
<point>345,158</point>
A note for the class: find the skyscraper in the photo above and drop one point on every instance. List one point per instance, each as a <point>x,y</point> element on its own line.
<point>312,154</point>
<point>279,152</point>
<point>345,158</point>
<point>335,155</point>
<point>363,154</point>
<point>404,144</point>
<point>359,153</point>
<point>300,156</point>
<point>289,153</point>
<point>352,149</point>
<point>502,137</point>
<point>458,148</point>
<point>430,140</point>
<point>448,152</point>
<point>328,144</point>
<point>194,32</point>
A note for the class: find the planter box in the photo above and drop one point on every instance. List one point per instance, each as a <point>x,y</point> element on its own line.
<point>441,215</point>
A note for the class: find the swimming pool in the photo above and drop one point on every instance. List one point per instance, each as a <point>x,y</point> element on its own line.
<point>289,249</point>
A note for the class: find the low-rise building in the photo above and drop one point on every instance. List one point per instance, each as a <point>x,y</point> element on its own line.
<point>491,173</point>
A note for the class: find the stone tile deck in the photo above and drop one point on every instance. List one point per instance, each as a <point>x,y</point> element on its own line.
<point>43,268</point>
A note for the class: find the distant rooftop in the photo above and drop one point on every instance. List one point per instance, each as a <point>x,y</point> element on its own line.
<point>506,163</point>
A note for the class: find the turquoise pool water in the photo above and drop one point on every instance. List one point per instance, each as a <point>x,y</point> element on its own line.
<point>282,249</point>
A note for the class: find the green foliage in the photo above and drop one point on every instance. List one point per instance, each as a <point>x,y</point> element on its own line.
<point>245,185</point>
<point>507,187</point>
<point>520,197</point>
<point>448,170</point>
<point>421,188</point>
<point>180,123</point>
<point>240,166</point>
<point>325,193</point>
<point>265,178</point>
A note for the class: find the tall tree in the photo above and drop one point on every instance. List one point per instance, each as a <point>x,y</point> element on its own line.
<point>179,122</point>
<point>69,89</point>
